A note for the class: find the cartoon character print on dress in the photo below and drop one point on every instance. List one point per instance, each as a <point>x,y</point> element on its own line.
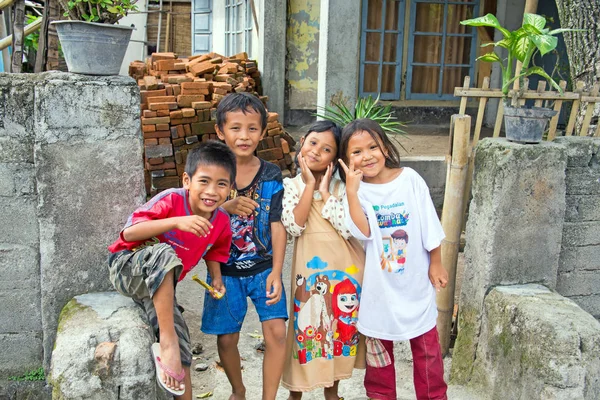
<point>399,241</point>
<point>315,325</point>
<point>243,246</point>
<point>345,312</point>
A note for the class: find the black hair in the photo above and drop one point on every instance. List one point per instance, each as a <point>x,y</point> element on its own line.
<point>324,126</point>
<point>392,159</point>
<point>243,102</point>
<point>211,152</point>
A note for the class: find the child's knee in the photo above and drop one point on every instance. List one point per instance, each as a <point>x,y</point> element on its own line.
<point>274,332</point>
<point>225,342</point>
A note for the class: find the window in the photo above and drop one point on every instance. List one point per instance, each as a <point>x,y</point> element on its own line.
<point>201,26</point>
<point>441,50</point>
<point>238,26</point>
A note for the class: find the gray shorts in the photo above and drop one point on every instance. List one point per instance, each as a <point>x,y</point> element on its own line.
<point>138,274</point>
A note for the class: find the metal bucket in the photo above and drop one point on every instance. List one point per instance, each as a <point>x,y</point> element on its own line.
<point>91,48</point>
<point>526,124</point>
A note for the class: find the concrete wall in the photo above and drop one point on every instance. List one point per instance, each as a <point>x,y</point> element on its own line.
<point>579,262</point>
<point>70,173</point>
<point>302,58</point>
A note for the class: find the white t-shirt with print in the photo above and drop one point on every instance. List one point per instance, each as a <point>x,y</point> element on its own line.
<point>398,299</point>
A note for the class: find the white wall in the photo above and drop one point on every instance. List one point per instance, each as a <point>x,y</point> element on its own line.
<point>137,47</point>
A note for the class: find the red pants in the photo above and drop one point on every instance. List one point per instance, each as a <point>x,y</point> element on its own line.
<point>428,371</point>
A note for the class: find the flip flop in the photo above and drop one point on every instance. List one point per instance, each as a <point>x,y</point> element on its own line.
<point>161,367</point>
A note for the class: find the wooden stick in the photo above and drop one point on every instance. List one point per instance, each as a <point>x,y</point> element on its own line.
<point>540,89</point>
<point>499,117</point>
<point>481,111</point>
<point>589,112</point>
<point>7,41</point>
<point>554,120</point>
<point>574,109</point>
<point>452,223</point>
<point>18,36</point>
<point>495,93</point>
<point>463,102</point>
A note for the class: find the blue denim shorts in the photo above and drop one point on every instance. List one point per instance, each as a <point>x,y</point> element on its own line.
<point>226,315</point>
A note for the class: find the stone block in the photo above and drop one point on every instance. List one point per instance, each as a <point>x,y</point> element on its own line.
<point>85,194</point>
<point>20,352</point>
<point>16,150</point>
<point>112,107</point>
<point>589,303</point>
<point>579,258</point>
<point>578,283</point>
<point>17,105</point>
<point>18,220</point>
<point>536,344</point>
<point>583,181</point>
<point>514,231</point>
<point>582,208</point>
<point>17,179</point>
<point>580,150</point>
<point>94,322</point>
<point>581,233</point>
<point>20,310</point>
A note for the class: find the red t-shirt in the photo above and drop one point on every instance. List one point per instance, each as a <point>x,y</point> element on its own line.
<point>188,247</point>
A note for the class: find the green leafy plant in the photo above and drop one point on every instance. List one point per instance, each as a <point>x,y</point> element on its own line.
<point>33,375</point>
<point>101,11</point>
<point>31,40</point>
<point>365,107</point>
<point>521,44</point>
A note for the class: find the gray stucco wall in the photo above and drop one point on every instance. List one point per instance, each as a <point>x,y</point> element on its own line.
<point>579,262</point>
<point>70,173</point>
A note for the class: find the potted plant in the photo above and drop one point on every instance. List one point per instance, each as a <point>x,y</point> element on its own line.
<point>91,41</point>
<point>522,124</point>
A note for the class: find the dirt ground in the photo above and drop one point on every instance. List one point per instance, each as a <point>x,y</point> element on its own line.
<point>422,141</point>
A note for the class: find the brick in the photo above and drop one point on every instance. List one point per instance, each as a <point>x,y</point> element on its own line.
<point>169,89</point>
<point>154,121</point>
<point>239,89</point>
<point>164,165</point>
<point>187,129</point>
<point>162,56</point>
<point>196,85</point>
<point>148,128</point>
<point>176,90</point>
<point>149,114</point>
<point>277,141</point>
<point>285,146</point>
<point>203,127</point>
<point>194,92</point>
<point>274,132</point>
<point>180,131</point>
<point>150,142</point>
<point>191,139</point>
<point>201,68</point>
<point>269,142</point>
<point>162,106</point>
<point>184,120</point>
<point>220,91</point>
<point>155,161</point>
<point>165,65</point>
<point>163,113</point>
<point>288,158</point>
<point>161,99</point>
<point>157,134</point>
<point>162,127</point>
<point>178,157</point>
<point>178,142</point>
<point>179,78</point>
<point>272,116</point>
<point>171,172</point>
<point>165,183</point>
<point>200,105</point>
<point>222,85</point>
<point>207,115</point>
<point>166,140</point>
<point>144,94</point>
<point>188,112</point>
<point>174,133</point>
<point>187,100</point>
<point>273,125</point>
<point>150,82</point>
<point>159,151</point>
<point>200,114</point>
<point>158,173</point>
<point>176,114</point>
<point>180,168</point>
<point>271,154</point>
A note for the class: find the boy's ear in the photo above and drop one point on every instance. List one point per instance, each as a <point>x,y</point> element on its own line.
<point>219,133</point>
<point>186,180</point>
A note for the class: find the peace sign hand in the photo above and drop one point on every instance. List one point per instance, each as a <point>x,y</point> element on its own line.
<point>353,176</point>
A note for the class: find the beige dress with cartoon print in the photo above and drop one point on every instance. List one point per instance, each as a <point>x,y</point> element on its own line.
<point>327,269</point>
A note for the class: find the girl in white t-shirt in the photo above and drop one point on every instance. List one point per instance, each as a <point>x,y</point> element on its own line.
<point>322,342</point>
<point>389,208</point>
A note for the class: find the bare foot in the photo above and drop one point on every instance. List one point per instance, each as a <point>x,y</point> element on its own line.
<point>171,359</point>
<point>235,396</point>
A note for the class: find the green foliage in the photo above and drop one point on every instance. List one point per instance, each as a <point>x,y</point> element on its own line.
<point>31,40</point>
<point>521,44</point>
<point>33,375</point>
<point>367,107</point>
<point>101,11</point>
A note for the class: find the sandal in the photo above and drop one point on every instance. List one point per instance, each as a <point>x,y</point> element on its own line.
<point>179,377</point>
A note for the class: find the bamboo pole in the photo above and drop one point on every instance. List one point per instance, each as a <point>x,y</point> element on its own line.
<point>589,112</point>
<point>557,108</point>
<point>7,41</point>
<point>5,3</point>
<point>18,36</point>
<point>452,223</point>
<point>530,8</point>
<point>574,109</point>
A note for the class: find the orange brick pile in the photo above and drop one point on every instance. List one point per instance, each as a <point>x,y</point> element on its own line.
<point>179,97</point>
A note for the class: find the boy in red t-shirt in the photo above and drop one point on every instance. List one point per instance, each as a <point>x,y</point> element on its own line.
<point>163,240</point>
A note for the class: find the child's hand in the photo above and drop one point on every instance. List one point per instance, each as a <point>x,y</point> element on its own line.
<point>274,283</point>
<point>219,287</point>
<point>438,276</point>
<point>353,177</point>
<point>307,175</point>
<point>195,224</point>
<point>240,206</point>
<point>325,181</point>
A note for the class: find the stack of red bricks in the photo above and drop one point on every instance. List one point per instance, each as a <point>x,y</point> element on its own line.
<point>179,97</point>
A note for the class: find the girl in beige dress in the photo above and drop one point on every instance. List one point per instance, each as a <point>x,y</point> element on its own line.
<point>327,269</point>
